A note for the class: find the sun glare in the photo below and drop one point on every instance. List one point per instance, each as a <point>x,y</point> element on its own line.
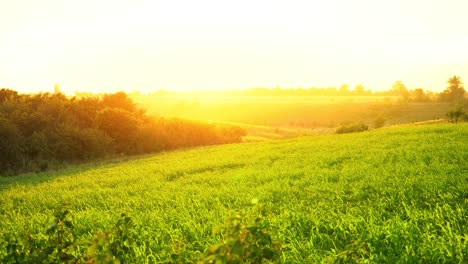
<point>186,45</point>
<point>208,131</point>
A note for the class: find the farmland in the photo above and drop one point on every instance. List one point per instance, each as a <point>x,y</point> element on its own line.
<point>390,195</point>
<point>298,112</point>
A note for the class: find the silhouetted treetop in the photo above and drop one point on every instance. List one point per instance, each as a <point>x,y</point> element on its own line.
<point>455,90</point>
<point>119,100</point>
<point>399,89</point>
<point>6,94</point>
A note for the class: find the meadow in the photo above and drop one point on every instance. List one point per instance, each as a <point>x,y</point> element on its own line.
<point>391,195</point>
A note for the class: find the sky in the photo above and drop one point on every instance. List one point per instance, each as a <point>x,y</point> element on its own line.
<point>107,46</point>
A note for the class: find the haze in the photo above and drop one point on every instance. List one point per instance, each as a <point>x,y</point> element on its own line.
<point>105,46</point>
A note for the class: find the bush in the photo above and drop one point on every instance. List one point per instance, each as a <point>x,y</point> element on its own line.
<point>379,122</point>
<point>37,131</point>
<point>456,115</point>
<point>351,128</point>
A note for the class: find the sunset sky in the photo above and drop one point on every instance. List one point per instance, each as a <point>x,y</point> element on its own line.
<point>104,46</point>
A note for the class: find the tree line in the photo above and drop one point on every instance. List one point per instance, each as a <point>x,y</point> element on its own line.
<point>40,130</point>
<point>454,92</point>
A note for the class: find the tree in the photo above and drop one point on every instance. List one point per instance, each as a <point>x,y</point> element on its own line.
<point>119,100</point>
<point>120,125</point>
<point>455,91</point>
<point>6,94</point>
<point>359,90</point>
<point>399,88</point>
<point>344,89</point>
<point>10,145</point>
<point>418,95</point>
<point>49,128</point>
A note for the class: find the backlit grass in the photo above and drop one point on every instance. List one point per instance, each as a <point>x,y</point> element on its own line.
<point>396,194</point>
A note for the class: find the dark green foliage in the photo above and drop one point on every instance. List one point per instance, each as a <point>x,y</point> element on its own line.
<point>60,243</point>
<point>351,127</point>
<point>10,144</point>
<point>56,245</point>
<point>178,133</point>
<point>40,131</point>
<point>245,239</point>
<point>116,245</point>
<point>456,115</point>
<point>122,126</point>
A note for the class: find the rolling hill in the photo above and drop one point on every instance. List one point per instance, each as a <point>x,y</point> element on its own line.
<point>398,194</point>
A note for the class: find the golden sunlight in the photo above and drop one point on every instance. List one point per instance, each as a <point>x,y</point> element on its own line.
<point>244,131</point>
<point>105,46</point>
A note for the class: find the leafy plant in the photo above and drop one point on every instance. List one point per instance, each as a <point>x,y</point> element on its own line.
<point>115,245</point>
<point>351,127</point>
<point>456,115</point>
<point>57,245</point>
<point>245,239</point>
<point>379,122</point>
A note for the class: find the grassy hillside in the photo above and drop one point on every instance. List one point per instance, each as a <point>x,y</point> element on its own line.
<point>395,194</point>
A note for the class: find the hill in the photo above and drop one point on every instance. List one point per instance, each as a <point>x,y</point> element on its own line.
<point>385,196</point>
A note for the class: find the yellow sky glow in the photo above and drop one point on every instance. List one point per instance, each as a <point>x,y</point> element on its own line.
<point>105,46</point>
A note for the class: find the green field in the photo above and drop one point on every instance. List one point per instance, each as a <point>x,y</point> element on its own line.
<point>385,196</point>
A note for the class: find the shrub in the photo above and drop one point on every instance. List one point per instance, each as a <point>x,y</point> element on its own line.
<point>456,115</point>
<point>351,128</point>
<point>37,131</point>
<point>379,122</point>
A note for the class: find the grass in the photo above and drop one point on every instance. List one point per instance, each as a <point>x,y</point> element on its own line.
<point>386,196</point>
<point>262,132</point>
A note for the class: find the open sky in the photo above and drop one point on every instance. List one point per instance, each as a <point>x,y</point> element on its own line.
<point>110,45</point>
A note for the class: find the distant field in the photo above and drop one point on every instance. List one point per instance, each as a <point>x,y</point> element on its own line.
<point>304,112</point>
<point>267,132</point>
<point>386,196</point>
